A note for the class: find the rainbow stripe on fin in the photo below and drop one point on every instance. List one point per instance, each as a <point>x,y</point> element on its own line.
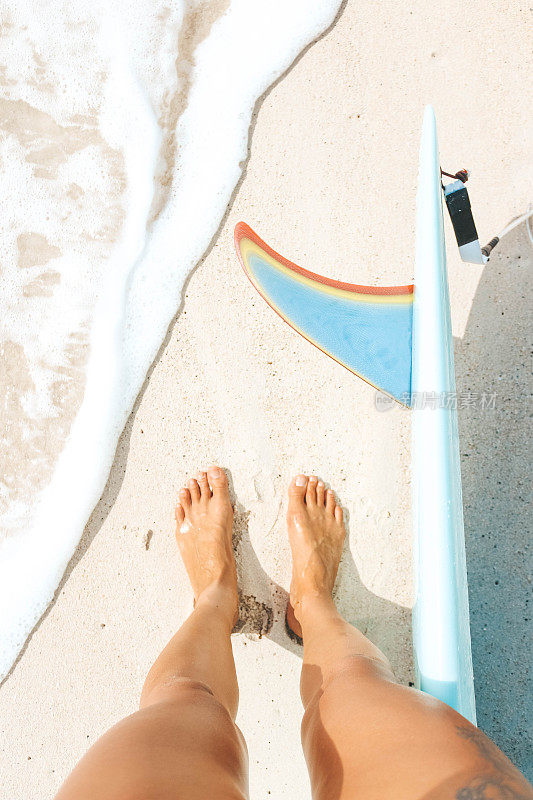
<point>367,329</point>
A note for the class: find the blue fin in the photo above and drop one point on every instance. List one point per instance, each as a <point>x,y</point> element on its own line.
<point>366,329</point>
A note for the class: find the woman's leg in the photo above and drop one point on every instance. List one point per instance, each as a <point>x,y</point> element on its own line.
<point>364,735</point>
<point>183,743</point>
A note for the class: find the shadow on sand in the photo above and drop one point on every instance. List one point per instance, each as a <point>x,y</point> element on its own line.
<point>263,602</point>
<point>493,359</point>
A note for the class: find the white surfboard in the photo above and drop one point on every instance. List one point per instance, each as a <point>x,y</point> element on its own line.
<point>441,623</point>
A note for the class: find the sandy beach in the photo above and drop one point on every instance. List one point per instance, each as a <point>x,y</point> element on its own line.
<point>330,182</point>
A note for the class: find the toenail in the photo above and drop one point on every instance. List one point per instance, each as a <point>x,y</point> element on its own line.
<point>313,478</point>
<point>216,472</point>
<point>301,480</point>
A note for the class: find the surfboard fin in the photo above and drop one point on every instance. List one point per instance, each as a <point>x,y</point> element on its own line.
<point>367,329</point>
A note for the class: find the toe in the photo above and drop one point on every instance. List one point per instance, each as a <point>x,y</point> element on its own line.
<point>179,513</point>
<point>320,493</point>
<point>338,514</point>
<point>297,489</point>
<point>218,481</point>
<point>185,499</point>
<point>310,495</point>
<point>194,490</point>
<point>297,486</point>
<point>203,483</point>
<point>330,500</point>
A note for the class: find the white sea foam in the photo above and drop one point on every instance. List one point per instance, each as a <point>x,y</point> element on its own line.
<point>124,127</point>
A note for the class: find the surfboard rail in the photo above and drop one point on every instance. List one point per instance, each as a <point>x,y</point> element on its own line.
<point>441,622</point>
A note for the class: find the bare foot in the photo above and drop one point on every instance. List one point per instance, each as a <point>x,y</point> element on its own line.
<point>316,534</point>
<point>204,518</point>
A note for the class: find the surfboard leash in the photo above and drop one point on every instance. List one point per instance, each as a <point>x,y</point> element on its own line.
<point>460,210</point>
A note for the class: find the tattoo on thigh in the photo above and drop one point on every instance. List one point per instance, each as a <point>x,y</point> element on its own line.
<point>490,788</point>
<point>509,784</point>
<point>486,748</point>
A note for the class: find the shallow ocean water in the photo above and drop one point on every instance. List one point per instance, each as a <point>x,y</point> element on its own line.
<point>124,130</point>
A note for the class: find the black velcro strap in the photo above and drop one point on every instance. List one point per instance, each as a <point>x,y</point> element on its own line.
<point>461,215</point>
